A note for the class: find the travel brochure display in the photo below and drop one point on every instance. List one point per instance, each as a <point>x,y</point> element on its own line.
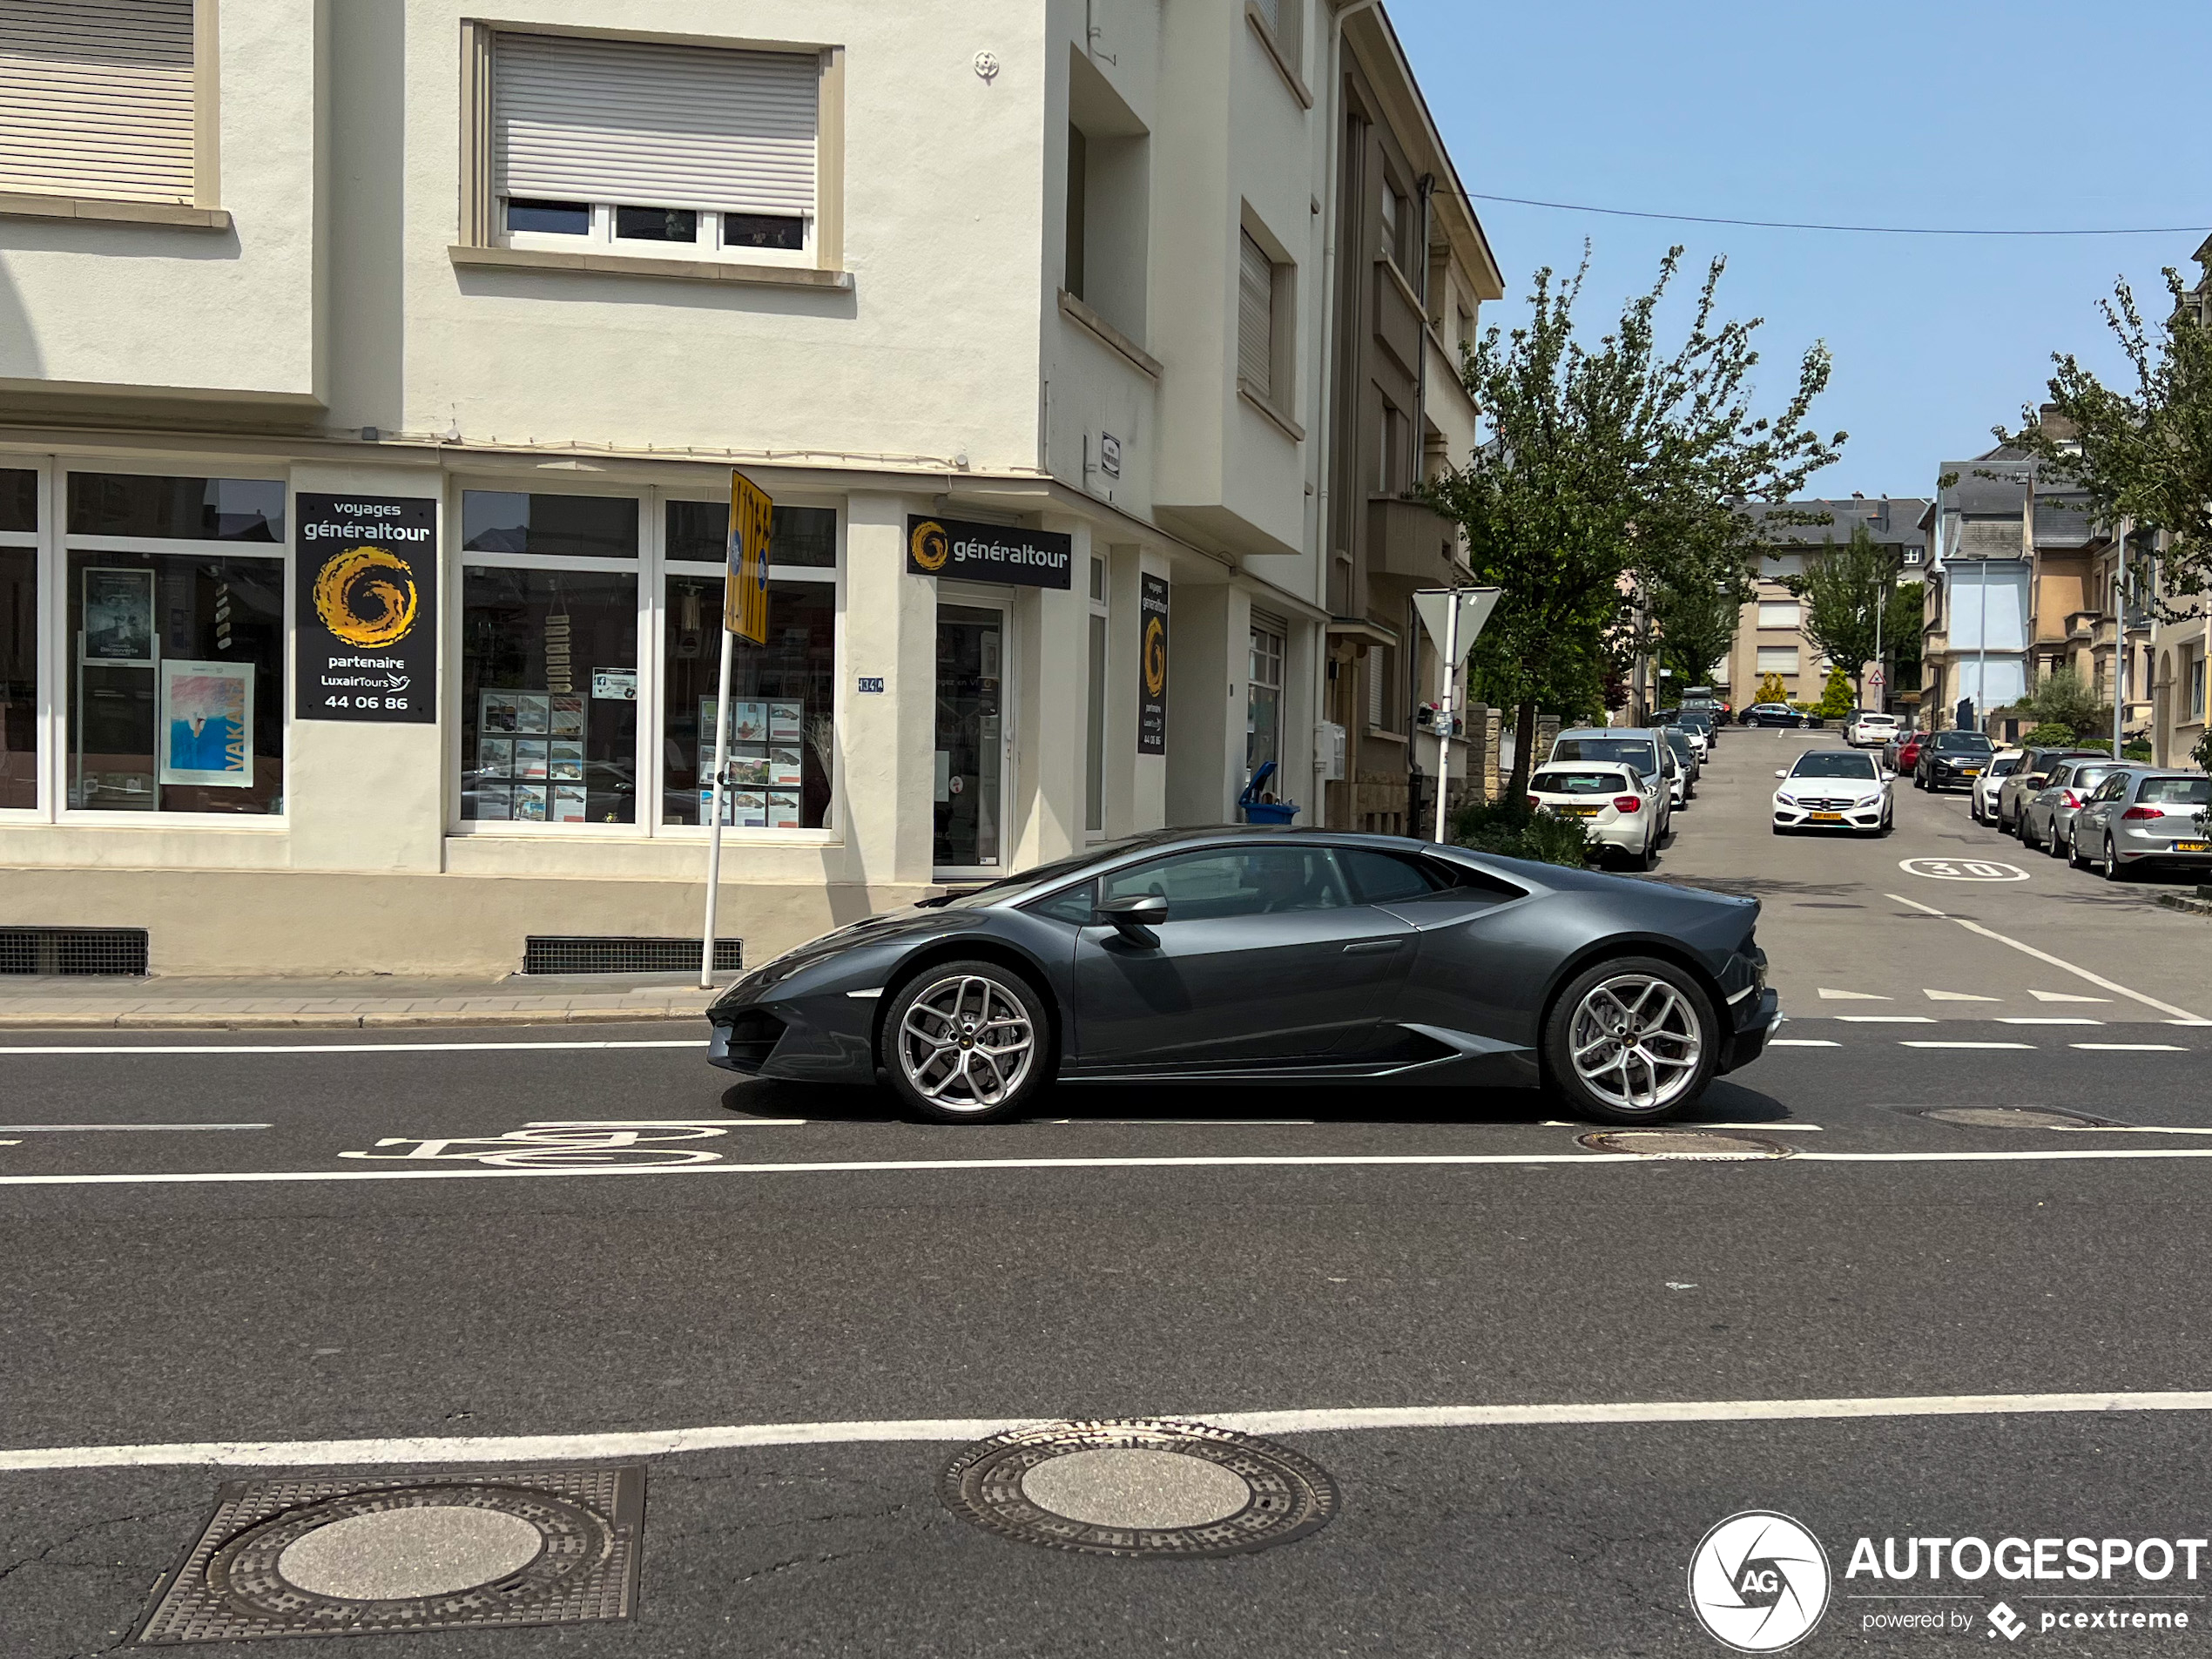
<point>207,724</point>
<point>766,764</point>
<point>529,757</point>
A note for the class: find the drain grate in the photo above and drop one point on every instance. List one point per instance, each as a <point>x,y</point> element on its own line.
<point>624,954</point>
<point>2014,1117</point>
<point>80,950</point>
<point>1711,1145</point>
<point>323,1557</point>
<point>1139,1488</point>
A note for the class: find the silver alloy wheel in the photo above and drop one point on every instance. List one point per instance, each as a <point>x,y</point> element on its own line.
<point>966,1043</point>
<point>1635,1043</point>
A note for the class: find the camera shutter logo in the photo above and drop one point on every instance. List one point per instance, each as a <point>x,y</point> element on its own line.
<point>365,597</point>
<point>1759,1583</point>
<point>932,547</point>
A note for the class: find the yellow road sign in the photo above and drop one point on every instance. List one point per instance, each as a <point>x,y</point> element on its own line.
<point>744,604</point>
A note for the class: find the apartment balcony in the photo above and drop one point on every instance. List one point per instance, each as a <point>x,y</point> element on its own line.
<point>1406,539</point>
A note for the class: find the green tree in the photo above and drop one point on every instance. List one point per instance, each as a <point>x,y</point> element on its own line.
<point>1838,698</point>
<point>1771,690</point>
<point>2144,454</point>
<point>1603,472</point>
<point>1696,627</point>
<point>1846,590</point>
<point>2061,698</point>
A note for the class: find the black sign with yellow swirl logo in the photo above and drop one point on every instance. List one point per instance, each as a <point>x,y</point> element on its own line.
<point>973,552</point>
<point>366,609</point>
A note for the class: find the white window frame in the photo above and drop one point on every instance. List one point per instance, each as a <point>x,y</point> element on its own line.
<point>44,629</point>
<point>1776,607</point>
<point>58,659</point>
<point>1261,625</point>
<point>653,568</point>
<point>601,238</point>
<point>1761,667</point>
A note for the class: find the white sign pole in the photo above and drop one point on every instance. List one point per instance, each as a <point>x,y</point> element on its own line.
<point>714,820</point>
<point>1446,699</point>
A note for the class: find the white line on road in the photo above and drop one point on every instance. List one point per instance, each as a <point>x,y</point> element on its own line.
<point>346,1047</point>
<point>2097,979</point>
<point>2131,1047</point>
<point>1888,1019</point>
<point>1965,1045</point>
<point>2048,1019</point>
<point>105,1129</point>
<point>957,1166</point>
<point>518,1448</point>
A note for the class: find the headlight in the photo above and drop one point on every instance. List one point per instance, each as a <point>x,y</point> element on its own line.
<point>1781,800</point>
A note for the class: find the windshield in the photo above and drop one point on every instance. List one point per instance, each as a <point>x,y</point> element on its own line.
<point>1631,751</point>
<point>1835,766</point>
<point>2177,792</point>
<point>1558,781</point>
<point>1679,741</point>
<point>1956,740</point>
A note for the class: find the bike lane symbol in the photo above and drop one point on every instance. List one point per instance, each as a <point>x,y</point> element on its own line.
<point>565,1145</point>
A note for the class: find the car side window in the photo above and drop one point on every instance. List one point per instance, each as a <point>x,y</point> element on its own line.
<point>1235,882</point>
<point>1382,877</point>
<point>1076,907</point>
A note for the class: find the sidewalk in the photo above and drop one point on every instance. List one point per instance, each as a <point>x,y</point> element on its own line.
<point>243,1004</point>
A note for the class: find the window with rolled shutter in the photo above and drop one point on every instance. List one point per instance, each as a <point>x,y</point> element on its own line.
<point>1256,318</point>
<point>96,98</point>
<point>1281,18</point>
<point>644,125</point>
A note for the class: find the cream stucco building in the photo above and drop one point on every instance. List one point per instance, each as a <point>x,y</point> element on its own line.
<point>1052,277</point>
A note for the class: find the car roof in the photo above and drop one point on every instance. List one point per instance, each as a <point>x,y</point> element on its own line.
<point>1609,731</point>
<point>1583,765</point>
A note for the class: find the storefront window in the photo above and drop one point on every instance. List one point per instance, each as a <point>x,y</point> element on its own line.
<point>1264,708</point>
<point>548,695</point>
<point>783,735</point>
<point>176,688</point>
<point>582,527</point>
<point>18,639</point>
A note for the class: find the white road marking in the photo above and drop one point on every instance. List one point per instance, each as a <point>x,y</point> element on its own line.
<point>2047,1019</point>
<point>1802,1042</point>
<point>1827,995</point>
<point>1965,1045</point>
<point>957,1166</point>
<point>103,1128</point>
<point>1792,1129</point>
<point>1957,996</point>
<point>726,1122</point>
<point>667,1442</point>
<point>2131,1047</point>
<point>346,1047</point>
<point>2065,997</point>
<point>2124,1129</point>
<point>2044,956</point>
<point>1888,1019</point>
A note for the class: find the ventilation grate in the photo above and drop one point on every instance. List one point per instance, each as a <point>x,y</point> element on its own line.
<point>610,954</point>
<point>81,950</point>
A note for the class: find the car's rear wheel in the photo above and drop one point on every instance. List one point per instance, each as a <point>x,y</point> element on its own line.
<point>1631,1041</point>
<point>967,1043</point>
<point>2056,845</point>
<point>2028,838</point>
<point>2114,870</point>
<point>2075,856</point>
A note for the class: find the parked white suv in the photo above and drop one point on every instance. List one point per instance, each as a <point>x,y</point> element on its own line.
<point>1868,729</point>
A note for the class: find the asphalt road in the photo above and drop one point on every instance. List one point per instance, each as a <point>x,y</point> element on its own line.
<point>338,1246</point>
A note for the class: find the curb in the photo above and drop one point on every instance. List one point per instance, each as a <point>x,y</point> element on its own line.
<point>215,1019</point>
<point>2188,904</point>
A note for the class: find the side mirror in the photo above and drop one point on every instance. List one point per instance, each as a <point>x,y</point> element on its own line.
<point>1888,777</point>
<point>2037,779</point>
<point>1783,773</point>
<point>1133,919</point>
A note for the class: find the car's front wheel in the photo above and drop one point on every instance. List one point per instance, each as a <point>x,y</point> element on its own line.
<point>967,1043</point>
<point>1631,1041</point>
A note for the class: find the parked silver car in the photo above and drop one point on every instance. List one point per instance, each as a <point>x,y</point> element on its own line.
<point>2143,815</point>
<point>1641,746</point>
<point>2047,817</point>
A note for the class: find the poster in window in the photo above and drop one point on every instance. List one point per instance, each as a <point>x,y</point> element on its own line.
<point>568,716</point>
<point>750,809</point>
<point>785,768</point>
<point>706,808</point>
<point>529,803</point>
<point>119,618</point>
<point>783,722</point>
<point>207,724</point>
<point>366,609</point>
<point>1152,666</point>
<point>529,758</point>
<point>748,722</point>
<point>783,809</point>
<point>494,802</point>
<point>568,803</point>
<point>533,712</point>
<point>496,711</point>
<point>564,760</point>
<point>496,756</point>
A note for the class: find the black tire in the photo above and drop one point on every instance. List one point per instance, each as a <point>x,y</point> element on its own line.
<point>2027,834</point>
<point>1686,1007</point>
<point>2074,859</point>
<point>2055,848</point>
<point>2114,870</point>
<point>958,1093</point>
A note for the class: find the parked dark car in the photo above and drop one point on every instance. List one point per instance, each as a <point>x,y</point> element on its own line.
<point>1951,761</point>
<point>1269,955</point>
<point>1776,714</point>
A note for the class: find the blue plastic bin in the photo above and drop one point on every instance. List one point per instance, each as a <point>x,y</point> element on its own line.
<point>1257,811</point>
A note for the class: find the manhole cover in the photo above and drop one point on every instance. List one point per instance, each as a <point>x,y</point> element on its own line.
<point>1139,1488</point>
<point>2014,1117</point>
<point>321,1557</point>
<point>1683,1144</point>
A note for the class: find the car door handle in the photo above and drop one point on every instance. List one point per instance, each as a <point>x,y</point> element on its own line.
<point>1370,947</point>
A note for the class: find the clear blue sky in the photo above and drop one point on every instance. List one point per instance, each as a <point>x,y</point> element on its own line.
<point>1937,112</point>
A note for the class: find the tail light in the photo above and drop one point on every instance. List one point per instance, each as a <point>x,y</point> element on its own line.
<point>2073,799</point>
<point>1533,803</point>
<point>2143,811</point>
<point>1627,803</point>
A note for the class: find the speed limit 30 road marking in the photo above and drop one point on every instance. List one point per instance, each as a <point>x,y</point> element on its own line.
<point>1962,869</point>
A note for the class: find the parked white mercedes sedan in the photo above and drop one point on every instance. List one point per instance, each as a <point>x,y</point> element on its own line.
<point>1845,789</point>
